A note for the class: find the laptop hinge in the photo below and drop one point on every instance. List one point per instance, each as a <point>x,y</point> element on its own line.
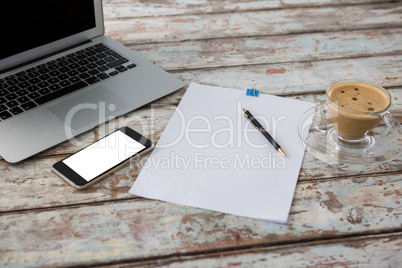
<point>43,57</point>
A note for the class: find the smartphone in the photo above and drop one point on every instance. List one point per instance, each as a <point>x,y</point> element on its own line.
<point>96,161</point>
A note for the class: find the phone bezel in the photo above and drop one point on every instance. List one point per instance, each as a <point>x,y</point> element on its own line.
<point>77,181</point>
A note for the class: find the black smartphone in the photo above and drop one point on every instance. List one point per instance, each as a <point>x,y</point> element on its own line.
<point>101,158</point>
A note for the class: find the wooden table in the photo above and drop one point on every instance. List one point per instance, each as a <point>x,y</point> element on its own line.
<point>342,215</point>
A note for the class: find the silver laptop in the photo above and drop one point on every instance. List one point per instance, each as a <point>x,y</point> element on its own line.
<point>60,76</point>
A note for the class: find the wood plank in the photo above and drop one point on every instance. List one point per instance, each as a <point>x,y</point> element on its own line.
<point>300,77</point>
<point>130,9</point>
<point>162,29</point>
<point>129,230</point>
<point>371,251</point>
<point>267,50</point>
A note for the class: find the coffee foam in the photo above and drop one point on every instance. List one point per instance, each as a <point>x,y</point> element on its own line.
<point>359,97</point>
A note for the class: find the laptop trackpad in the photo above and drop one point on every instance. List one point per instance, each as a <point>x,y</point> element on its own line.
<point>91,108</point>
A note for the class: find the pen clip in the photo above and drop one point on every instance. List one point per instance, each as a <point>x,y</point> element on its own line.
<point>251,121</point>
<point>254,125</point>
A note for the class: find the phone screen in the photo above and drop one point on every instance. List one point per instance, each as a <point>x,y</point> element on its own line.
<point>103,155</point>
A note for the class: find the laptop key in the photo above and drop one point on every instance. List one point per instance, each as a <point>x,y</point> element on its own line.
<point>64,83</point>
<point>92,80</point>
<point>24,84</point>
<point>3,92</point>
<point>28,105</point>
<point>102,76</point>
<point>22,92</point>
<point>43,70</point>
<point>33,74</point>
<point>3,100</point>
<point>64,69</point>
<point>93,72</point>
<point>44,91</point>
<point>53,80</point>
<point>12,82</point>
<point>23,78</point>
<point>44,77</point>
<point>121,68</point>
<point>23,99</point>
<point>103,68</point>
<point>31,69</point>
<point>3,108</point>
<point>11,96</point>
<point>54,73</point>
<point>117,62</point>
<point>43,84</point>
<point>34,81</point>
<point>34,95</point>
<point>12,104</point>
<point>84,76</point>
<point>73,66</point>
<point>53,67</point>
<point>20,73</point>
<point>5,115</point>
<point>132,65</point>
<point>54,87</point>
<point>74,79</point>
<point>109,58</point>
<point>113,73</point>
<point>116,55</point>
<point>16,110</point>
<point>32,88</point>
<point>61,92</point>
<point>13,88</point>
<point>10,77</point>
<point>82,69</point>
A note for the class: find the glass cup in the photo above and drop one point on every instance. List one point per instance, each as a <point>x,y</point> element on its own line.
<point>355,108</point>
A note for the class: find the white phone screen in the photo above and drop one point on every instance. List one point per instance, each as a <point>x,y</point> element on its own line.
<point>103,155</point>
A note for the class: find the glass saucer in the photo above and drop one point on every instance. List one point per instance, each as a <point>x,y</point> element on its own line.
<point>381,144</point>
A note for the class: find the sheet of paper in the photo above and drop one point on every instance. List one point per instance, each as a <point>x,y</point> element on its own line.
<point>211,157</point>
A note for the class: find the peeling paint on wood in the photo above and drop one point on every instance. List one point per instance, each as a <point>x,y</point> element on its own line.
<point>131,229</point>
<point>266,50</point>
<point>257,23</point>
<point>342,215</point>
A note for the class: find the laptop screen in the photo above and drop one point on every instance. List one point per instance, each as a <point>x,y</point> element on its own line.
<point>27,24</point>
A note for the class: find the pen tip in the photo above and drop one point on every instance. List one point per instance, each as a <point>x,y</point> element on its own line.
<point>281,151</point>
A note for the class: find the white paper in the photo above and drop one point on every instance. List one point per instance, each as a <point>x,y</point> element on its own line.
<point>210,157</point>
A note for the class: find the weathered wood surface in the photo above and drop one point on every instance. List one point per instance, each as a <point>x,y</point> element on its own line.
<point>120,9</point>
<point>374,251</point>
<point>138,229</point>
<point>160,29</point>
<point>342,215</point>
<point>264,50</point>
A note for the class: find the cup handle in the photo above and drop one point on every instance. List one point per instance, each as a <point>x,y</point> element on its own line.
<point>389,121</point>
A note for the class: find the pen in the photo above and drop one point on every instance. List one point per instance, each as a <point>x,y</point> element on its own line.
<point>261,129</point>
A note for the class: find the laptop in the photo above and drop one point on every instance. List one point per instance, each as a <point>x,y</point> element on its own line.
<point>60,76</point>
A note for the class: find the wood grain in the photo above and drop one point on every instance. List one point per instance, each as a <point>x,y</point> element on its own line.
<point>364,251</point>
<point>266,50</point>
<point>116,231</point>
<point>257,23</point>
<point>342,215</point>
<point>122,9</point>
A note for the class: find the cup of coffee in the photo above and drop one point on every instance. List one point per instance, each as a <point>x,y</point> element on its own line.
<point>356,107</point>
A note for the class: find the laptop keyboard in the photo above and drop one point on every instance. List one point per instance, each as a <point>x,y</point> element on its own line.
<point>54,79</point>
